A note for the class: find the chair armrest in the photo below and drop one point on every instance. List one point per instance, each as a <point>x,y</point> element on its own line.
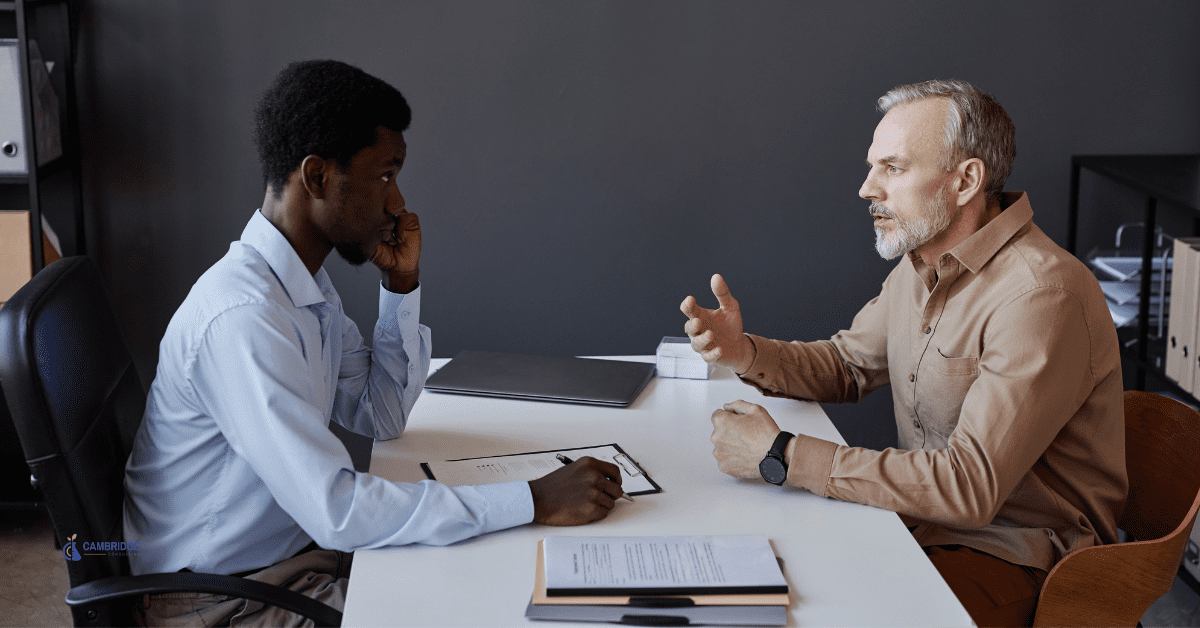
<point>120,587</point>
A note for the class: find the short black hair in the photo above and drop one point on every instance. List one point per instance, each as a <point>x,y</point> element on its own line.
<point>325,108</point>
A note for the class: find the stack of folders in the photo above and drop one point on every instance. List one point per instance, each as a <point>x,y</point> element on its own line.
<point>659,581</point>
<point>1121,281</point>
<point>1183,328</point>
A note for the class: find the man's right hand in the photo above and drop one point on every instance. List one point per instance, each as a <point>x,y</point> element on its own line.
<point>717,334</point>
<point>581,492</point>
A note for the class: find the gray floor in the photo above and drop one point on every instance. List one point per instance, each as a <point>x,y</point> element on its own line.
<point>33,580</point>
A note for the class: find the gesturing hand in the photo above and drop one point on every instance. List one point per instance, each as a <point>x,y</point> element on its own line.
<point>581,492</point>
<point>401,252</point>
<point>743,433</point>
<point>717,334</point>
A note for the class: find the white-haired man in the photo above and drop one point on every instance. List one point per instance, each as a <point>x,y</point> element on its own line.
<point>999,349</point>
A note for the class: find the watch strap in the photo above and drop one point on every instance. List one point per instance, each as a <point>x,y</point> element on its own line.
<point>779,447</point>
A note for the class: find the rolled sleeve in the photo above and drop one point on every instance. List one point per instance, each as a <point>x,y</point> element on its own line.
<point>812,459</point>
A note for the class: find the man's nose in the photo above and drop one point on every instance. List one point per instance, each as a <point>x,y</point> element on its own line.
<point>395,202</point>
<point>870,189</point>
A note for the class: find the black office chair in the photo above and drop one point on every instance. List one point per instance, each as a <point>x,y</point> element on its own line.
<point>76,402</point>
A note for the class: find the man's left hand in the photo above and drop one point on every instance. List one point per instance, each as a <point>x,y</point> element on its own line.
<point>743,433</point>
<point>399,255</point>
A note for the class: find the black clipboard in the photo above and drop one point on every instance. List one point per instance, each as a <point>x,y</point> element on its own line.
<point>628,465</point>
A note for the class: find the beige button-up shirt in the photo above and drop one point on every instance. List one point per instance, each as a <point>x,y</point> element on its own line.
<point>1006,377</point>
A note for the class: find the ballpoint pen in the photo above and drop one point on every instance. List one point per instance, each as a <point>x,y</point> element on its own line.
<point>566,461</point>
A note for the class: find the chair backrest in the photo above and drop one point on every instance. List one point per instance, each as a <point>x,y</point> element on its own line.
<point>1162,458</point>
<point>1113,585</point>
<point>76,402</point>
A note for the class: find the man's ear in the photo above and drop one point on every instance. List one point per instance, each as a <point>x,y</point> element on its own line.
<point>972,176</point>
<point>314,173</point>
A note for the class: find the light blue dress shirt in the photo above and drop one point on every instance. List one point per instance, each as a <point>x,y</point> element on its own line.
<point>234,467</point>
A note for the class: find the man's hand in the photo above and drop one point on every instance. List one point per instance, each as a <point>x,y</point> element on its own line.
<point>743,433</point>
<point>581,492</point>
<point>399,255</point>
<point>717,334</point>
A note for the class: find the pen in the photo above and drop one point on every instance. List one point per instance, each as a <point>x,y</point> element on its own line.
<point>565,460</point>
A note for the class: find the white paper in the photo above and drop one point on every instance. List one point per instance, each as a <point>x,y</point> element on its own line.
<point>653,562</point>
<point>525,467</point>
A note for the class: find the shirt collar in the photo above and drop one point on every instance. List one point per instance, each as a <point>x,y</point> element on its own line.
<point>981,246</point>
<point>303,288</point>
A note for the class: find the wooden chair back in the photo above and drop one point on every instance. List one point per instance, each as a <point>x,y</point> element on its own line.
<point>1113,585</point>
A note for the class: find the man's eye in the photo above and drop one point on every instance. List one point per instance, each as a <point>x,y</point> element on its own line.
<point>387,177</point>
<point>893,169</point>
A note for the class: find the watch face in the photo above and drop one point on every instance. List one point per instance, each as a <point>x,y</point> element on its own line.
<point>772,470</point>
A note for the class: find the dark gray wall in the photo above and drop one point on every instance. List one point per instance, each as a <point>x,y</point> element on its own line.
<point>580,167</point>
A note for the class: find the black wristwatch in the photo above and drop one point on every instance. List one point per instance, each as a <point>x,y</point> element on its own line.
<point>773,468</point>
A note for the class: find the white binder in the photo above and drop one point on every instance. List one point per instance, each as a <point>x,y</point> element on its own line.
<point>14,153</point>
<point>12,131</point>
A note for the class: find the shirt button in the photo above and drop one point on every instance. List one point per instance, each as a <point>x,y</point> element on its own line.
<point>916,424</point>
<point>928,329</point>
<point>404,314</point>
<point>912,378</point>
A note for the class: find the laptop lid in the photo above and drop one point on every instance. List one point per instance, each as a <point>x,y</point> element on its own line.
<point>542,378</point>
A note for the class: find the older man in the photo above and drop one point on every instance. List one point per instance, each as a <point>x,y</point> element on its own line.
<point>999,349</point>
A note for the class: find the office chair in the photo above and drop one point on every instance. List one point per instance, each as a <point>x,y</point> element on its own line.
<point>76,401</point>
<point>1113,585</point>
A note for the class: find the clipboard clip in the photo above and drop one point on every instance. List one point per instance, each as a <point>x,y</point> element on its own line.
<point>617,459</point>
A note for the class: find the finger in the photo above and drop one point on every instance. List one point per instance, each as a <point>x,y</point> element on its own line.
<point>713,356</point>
<point>408,221</point>
<point>693,327</point>
<point>606,502</point>
<point>612,472</point>
<point>603,503</point>
<point>610,488</point>
<point>742,406</point>
<point>691,308</point>
<point>721,291</point>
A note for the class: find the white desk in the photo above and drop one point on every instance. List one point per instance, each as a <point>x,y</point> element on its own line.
<point>846,564</point>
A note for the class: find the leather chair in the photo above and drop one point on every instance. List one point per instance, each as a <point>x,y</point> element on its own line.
<point>1113,585</point>
<point>76,401</point>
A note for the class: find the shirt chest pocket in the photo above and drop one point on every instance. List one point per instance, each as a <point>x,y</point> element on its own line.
<point>942,385</point>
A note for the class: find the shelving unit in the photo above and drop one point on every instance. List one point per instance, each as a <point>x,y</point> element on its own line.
<point>53,189</point>
<point>1170,178</point>
<point>52,24</point>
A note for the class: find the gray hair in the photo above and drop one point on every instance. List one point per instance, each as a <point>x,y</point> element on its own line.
<point>976,126</point>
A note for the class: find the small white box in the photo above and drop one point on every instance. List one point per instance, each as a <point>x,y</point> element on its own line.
<point>676,358</point>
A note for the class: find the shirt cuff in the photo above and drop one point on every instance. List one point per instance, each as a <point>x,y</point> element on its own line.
<point>509,504</point>
<point>402,309</point>
<point>812,461</point>
<point>765,365</point>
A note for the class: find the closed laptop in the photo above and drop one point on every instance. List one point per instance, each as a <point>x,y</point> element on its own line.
<point>542,378</point>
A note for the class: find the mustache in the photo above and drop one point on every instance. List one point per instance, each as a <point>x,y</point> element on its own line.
<point>879,209</point>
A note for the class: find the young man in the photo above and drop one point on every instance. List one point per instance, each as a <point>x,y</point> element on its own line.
<point>999,350</point>
<point>234,469</point>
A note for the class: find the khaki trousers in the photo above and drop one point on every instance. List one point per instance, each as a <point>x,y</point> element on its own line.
<point>320,574</point>
<point>994,591</point>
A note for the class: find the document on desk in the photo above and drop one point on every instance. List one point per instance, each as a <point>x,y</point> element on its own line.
<point>660,565</point>
<point>533,465</point>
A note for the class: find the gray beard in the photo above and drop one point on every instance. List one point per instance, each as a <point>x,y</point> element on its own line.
<point>907,235</point>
